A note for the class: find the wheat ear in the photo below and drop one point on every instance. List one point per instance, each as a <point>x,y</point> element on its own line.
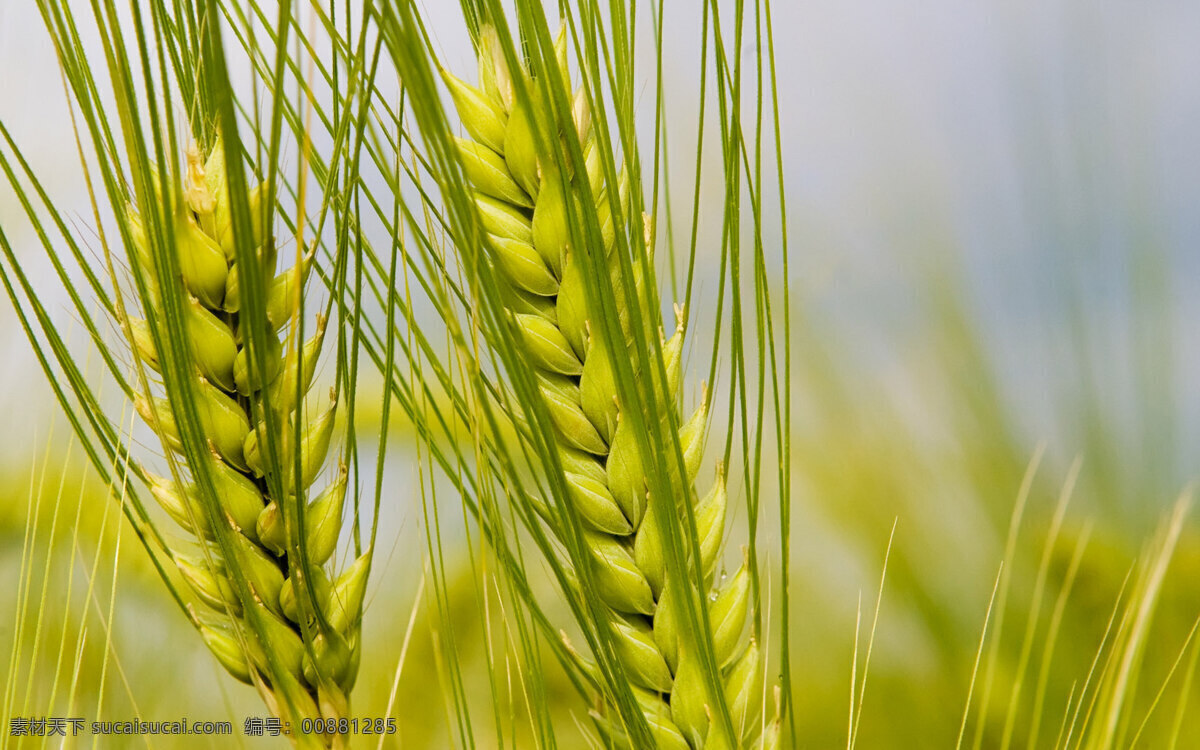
<point>305,652</point>
<point>522,206</point>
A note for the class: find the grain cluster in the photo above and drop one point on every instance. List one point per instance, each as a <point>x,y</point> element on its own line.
<point>260,543</point>
<point>522,205</point>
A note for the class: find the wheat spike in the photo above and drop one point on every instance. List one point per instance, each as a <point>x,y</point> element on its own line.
<point>312,625</point>
<point>523,208</point>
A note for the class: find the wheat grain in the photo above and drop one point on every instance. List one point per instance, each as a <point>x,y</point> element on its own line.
<point>522,206</point>
<point>320,655</point>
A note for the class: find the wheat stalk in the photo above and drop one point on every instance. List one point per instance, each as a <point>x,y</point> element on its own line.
<point>523,207</point>
<point>272,616</point>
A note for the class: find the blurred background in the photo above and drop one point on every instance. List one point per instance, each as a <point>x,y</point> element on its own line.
<point>994,228</point>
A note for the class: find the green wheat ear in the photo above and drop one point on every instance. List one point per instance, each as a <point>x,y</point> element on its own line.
<point>302,651</point>
<point>523,207</point>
